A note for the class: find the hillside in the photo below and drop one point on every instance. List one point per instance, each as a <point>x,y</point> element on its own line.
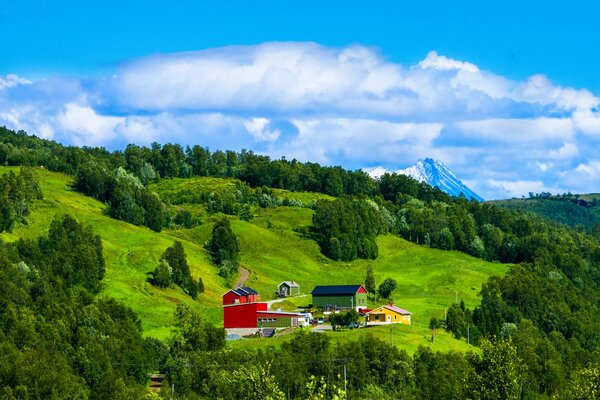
<point>429,280</point>
<point>571,210</point>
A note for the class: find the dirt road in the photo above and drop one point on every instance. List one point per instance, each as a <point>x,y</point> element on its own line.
<point>244,276</point>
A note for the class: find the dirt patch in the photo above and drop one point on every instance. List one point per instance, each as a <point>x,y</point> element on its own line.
<point>244,276</point>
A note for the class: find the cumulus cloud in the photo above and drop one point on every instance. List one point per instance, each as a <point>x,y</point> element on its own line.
<point>591,169</point>
<point>12,80</point>
<point>522,188</point>
<point>332,140</point>
<point>519,130</point>
<point>336,105</point>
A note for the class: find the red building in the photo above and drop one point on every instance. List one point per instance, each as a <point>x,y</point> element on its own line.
<point>242,315</point>
<point>240,295</point>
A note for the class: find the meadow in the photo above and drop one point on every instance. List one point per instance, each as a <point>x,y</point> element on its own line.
<point>273,250</point>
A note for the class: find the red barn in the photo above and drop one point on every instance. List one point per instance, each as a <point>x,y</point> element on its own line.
<point>242,315</point>
<point>240,295</point>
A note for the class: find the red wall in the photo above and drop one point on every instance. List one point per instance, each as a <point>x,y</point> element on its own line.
<point>232,298</point>
<point>242,315</point>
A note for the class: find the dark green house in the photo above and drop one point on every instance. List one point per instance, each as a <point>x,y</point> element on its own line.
<point>339,296</point>
<point>288,288</point>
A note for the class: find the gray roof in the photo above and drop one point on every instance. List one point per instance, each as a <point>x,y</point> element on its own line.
<point>290,284</point>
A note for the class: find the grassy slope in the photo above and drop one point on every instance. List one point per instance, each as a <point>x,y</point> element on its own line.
<point>405,337</point>
<point>563,210</point>
<point>131,252</point>
<point>428,279</point>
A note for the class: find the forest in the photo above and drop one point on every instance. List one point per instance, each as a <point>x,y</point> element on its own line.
<point>538,327</point>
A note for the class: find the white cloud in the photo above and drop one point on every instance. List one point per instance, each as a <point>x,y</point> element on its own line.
<point>348,105</point>
<point>326,140</point>
<point>543,166</point>
<point>12,80</point>
<point>539,89</point>
<point>591,169</point>
<point>566,151</point>
<point>519,130</point>
<point>376,172</point>
<point>259,128</point>
<point>435,61</point>
<point>86,127</point>
<point>522,188</point>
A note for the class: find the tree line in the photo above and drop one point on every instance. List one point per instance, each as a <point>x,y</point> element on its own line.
<point>58,338</point>
<point>17,193</point>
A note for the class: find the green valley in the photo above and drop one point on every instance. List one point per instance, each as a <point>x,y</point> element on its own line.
<point>429,279</point>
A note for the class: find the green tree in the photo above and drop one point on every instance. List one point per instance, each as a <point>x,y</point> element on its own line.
<point>433,325</point>
<point>370,281</point>
<point>246,214</point>
<point>499,372</point>
<point>163,274</point>
<point>176,259</point>
<point>223,245</point>
<point>387,287</point>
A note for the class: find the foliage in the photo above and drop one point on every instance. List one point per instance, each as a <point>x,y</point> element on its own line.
<point>163,274</point>
<point>499,372</point>
<point>586,383</point>
<point>17,193</point>
<point>370,280</point>
<point>343,319</point>
<point>387,287</point>
<point>57,339</point>
<point>223,247</point>
<point>173,267</point>
<point>568,209</point>
<point>345,229</point>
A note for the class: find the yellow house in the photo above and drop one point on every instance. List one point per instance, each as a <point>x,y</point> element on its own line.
<point>388,314</point>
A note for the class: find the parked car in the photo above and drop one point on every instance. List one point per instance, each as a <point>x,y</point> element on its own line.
<point>353,325</point>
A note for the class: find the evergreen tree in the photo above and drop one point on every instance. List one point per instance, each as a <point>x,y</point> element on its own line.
<point>223,246</point>
<point>163,274</point>
<point>387,287</point>
<point>176,258</point>
<point>370,281</point>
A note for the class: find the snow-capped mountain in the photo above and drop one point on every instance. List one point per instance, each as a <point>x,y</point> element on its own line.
<point>435,173</point>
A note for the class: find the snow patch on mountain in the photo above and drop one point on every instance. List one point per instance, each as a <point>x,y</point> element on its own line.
<point>434,173</point>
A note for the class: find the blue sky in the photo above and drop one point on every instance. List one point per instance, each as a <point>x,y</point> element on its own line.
<point>504,93</point>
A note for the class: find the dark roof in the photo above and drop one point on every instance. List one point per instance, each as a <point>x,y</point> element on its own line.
<point>242,291</point>
<point>335,290</point>
<point>248,290</point>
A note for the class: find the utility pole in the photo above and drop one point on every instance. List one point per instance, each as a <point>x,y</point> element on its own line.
<point>392,334</point>
<point>445,319</point>
<point>468,334</point>
<point>351,302</point>
<point>345,386</point>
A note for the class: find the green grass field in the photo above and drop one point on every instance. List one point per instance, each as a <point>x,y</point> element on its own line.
<point>405,337</point>
<point>429,280</point>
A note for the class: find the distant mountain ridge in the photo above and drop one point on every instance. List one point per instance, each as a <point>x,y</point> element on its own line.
<point>434,173</point>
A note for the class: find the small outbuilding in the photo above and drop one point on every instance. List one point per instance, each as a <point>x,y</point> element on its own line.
<point>388,314</point>
<point>335,297</point>
<point>288,288</point>
<point>240,295</point>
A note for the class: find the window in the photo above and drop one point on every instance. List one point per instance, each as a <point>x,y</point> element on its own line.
<point>377,318</point>
<point>395,316</point>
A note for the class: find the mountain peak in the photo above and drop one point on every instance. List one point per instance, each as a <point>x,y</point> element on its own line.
<point>435,173</point>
